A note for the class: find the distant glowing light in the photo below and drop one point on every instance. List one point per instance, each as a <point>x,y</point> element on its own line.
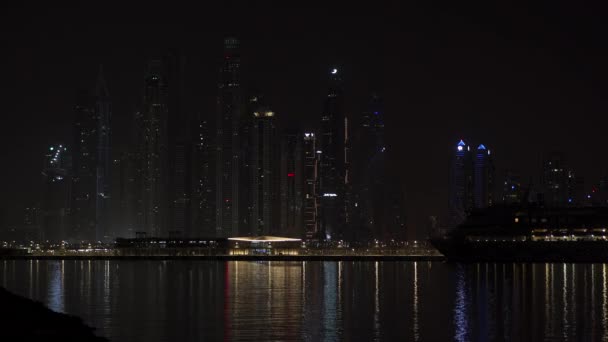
<point>330,194</point>
<point>481,147</point>
<point>291,174</point>
<point>52,148</point>
<point>459,148</point>
<point>334,71</point>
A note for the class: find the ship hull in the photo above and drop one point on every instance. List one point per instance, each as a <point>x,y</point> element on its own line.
<point>530,251</point>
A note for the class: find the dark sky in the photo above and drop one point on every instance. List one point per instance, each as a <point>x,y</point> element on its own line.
<point>520,79</point>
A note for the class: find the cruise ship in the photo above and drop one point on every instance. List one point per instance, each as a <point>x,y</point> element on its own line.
<point>529,233</point>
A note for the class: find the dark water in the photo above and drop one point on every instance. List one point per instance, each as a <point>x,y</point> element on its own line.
<point>322,301</point>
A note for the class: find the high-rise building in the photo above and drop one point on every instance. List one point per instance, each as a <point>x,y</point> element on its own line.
<point>555,179</point>
<point>483,178</point>
<point>31,224</point>
<point>264,180</point>
<point>204,196</point>
<point>310,186</point>
<point>334,178</point>
<point>56,193</point>
<point>104,163</point>
<point>511,190</point>
<point>471,181</point>
<point>91,173</point>
<point>370,174</point>
<point>292,184</point>
<point>151,154</point>
<point>84,171</point>
<point>228,165</point>
<point>461,183</point>
<point>180,148</point>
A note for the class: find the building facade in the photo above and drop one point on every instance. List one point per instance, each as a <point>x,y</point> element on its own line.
<point>228,163</point>
<point>461,183</point>
<point>56,194</point>
<point>334,162</point>
<point>265,176</point>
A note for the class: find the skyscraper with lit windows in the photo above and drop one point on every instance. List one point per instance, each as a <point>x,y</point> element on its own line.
<point>291,187</point>
<point>311,184</point>
<point>104,162</point>
<point>461,183</point>
<point>483,178</point>
<point>334,161</point>
<point>84,169</point>
<point>151,211</point>
<point>56,193</point>
<point>264,179</point>
<point>228,155</point>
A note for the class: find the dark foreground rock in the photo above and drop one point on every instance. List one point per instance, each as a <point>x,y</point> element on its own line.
<point>22,319</point>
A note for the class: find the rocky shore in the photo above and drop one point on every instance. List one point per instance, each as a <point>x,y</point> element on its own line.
<point>22,319</point>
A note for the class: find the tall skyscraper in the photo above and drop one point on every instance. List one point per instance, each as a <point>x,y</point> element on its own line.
<point>265,179</point>
<point>334,182</point>
<point>483,178</point>
<point>311,184</point>
<point>104,162</point>
<point>152,153</point>
<point>204,199</point>
<point>555,179</point>
<point>84,171</point>
<point>512,190</point>
<point>56,193</point>
<point>227,142</point>
<point>91,172</point>
<point>461,183</point>
<point>371,192</point>
<point>180,148</point>
<point>292,184</point>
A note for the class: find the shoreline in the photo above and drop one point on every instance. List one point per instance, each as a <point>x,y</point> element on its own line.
<point>27,319</point>
<point>233,257</point>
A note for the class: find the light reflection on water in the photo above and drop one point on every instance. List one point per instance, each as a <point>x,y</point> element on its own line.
<point>321,301</point>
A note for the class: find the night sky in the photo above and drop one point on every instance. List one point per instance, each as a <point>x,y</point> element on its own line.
<point>521,80</point>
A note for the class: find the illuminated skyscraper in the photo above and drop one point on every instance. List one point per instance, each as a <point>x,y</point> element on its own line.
<point>310,186</point>
<point>512,190</point>
<point>84,172</point>
<point>371,192</point>
<point>334,184</point>
<point>556,180</point>
<point>204,197</point>
<point>483,178</point>
<point>228,142</point>
<point>461,183</point>
<point>152,153</point>
<point>104,162</point>
<point>265,180</point>
<point>91,173</point>
<point>292,184</point>
<point>56,193</point>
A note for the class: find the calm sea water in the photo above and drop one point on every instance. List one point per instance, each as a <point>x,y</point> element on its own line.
<point>322,301</point>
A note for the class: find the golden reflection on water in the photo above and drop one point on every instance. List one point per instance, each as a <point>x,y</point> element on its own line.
<point>324,301</point>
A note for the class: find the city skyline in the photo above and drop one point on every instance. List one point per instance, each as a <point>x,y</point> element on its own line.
<point>409,134</point>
